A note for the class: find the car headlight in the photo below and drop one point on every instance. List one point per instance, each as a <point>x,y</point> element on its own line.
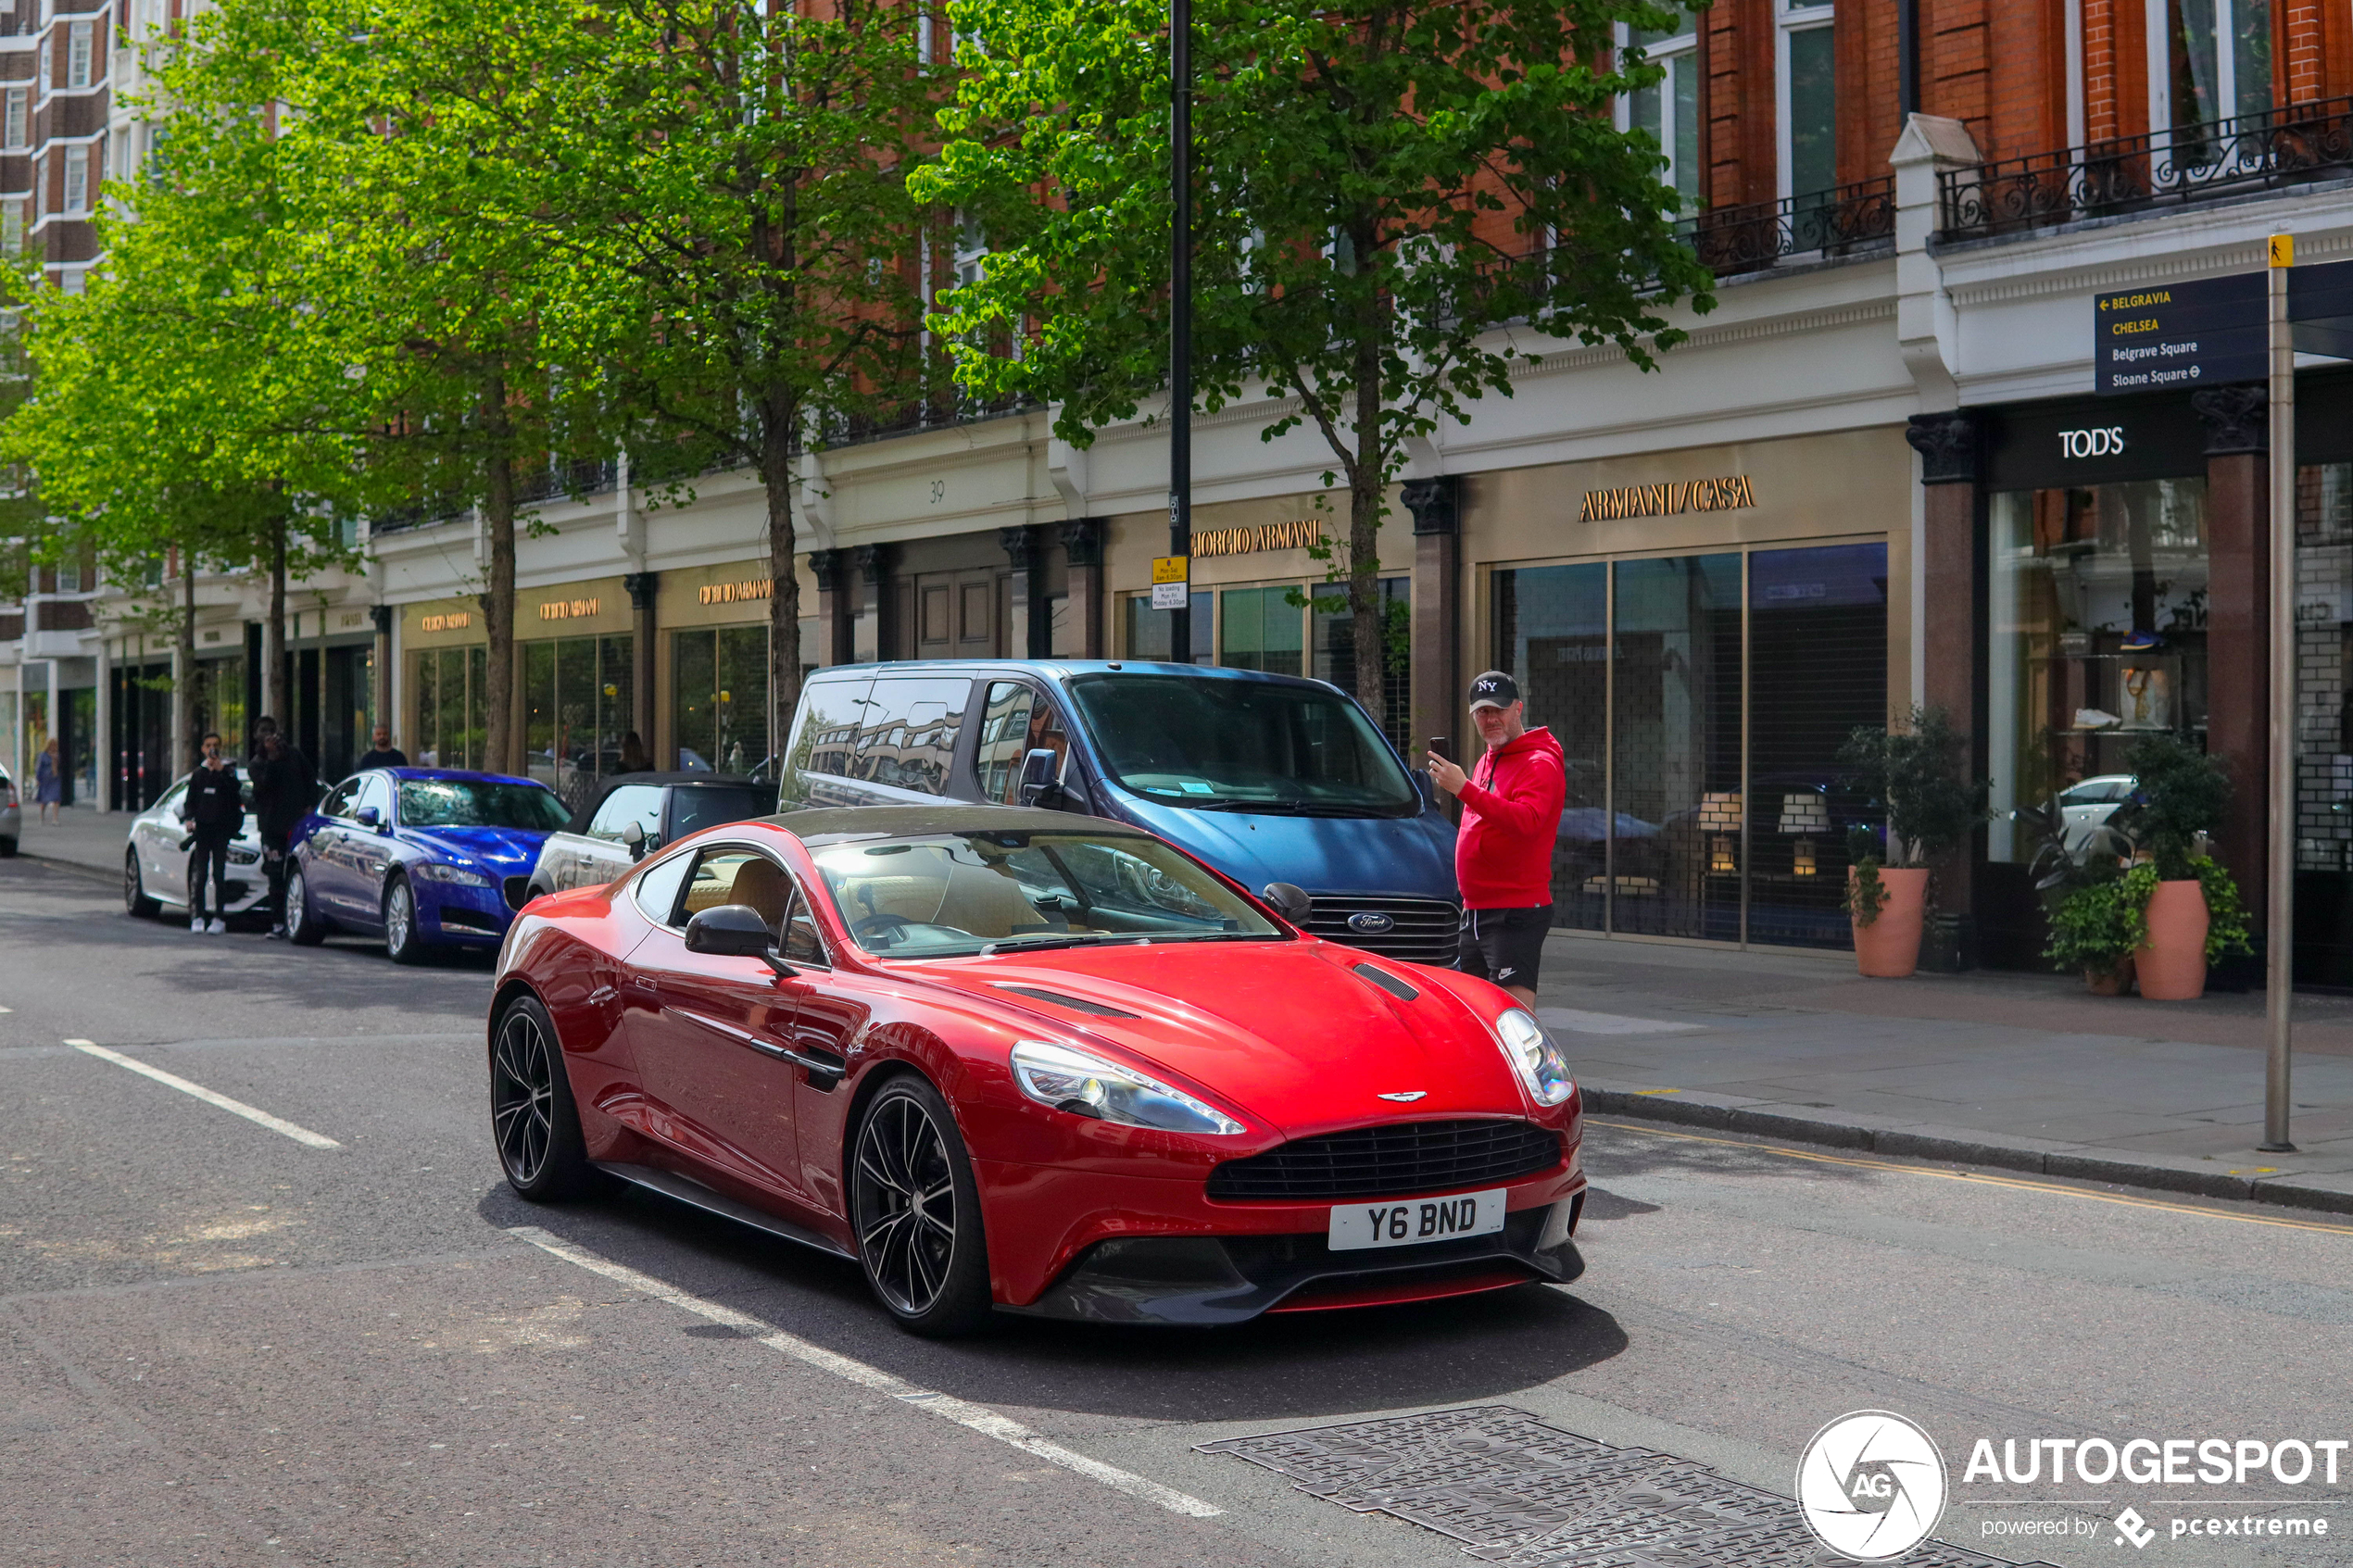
<point>1088,1085</point>
<point>434,871</point>
<point>244,857</point>
<point>1541,1068</point>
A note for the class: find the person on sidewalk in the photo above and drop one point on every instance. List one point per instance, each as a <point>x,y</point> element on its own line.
<point>282,796</point>
<point>214,814</point>
<point>1511,801</point>
<point>382,754</point>
<point>48,783</point>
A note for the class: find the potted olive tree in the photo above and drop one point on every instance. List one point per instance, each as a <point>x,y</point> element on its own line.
<point>2189,906</point>
<point>1916,774</point>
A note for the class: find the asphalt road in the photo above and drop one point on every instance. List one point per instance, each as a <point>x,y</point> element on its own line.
<point>222,1345</point>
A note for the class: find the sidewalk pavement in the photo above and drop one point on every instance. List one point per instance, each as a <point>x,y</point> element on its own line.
<point>85,839</point>
<point>2023,1071</point>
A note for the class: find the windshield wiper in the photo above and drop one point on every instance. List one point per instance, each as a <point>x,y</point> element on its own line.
<point>1039,944</point>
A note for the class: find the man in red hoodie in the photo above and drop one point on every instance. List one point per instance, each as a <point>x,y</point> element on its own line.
<point>1512,802</point>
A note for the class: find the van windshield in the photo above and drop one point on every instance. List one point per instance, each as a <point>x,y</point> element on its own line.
<point>1270,748</point>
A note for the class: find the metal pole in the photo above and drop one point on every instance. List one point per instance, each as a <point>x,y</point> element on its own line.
<point>1180,315</point>
<point>2279,920</point>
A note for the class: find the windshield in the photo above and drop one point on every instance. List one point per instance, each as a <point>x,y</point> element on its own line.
<point>700,806</point>
<point>941,894</point>
<point>1243,746</point>
<point>477,803</point>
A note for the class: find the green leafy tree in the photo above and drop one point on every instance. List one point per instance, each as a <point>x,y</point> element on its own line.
<point>1394,202</point>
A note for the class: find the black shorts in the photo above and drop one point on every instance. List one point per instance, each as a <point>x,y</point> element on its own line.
<point>1503,946</point>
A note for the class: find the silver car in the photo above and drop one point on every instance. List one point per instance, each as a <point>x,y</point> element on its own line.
<point>11,816</point>
<point>634,815</point>
<point>155,862</point>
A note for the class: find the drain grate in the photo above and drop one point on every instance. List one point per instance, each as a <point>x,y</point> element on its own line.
<point>1518,1492</point>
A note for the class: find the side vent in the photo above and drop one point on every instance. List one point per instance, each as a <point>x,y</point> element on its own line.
<point>1075,1004</point>
<point>1387,982</point>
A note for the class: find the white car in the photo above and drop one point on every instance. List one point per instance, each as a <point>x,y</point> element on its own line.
<point>11,816</point>
<point>155,863</point>
<point>2087,804</point>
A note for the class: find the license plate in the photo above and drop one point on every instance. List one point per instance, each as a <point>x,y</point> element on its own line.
<point>1409,1220</point>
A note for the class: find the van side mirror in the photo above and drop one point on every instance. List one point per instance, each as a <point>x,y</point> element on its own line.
<point>1289,900</point>
<point>1038,785</point>
<point>734,931</point>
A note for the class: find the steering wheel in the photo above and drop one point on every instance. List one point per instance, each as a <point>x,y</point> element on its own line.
<point>891,929</point>
<point>884,925</point>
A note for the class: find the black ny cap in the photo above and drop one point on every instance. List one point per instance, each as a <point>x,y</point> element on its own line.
<point>1493,689</point>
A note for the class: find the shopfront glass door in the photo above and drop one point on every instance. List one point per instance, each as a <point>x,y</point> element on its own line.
<point>1674,763</point>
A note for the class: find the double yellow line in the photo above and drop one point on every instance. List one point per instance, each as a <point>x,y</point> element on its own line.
<point>1978,1178</point>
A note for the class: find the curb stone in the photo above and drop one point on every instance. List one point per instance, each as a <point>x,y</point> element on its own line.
<point>2326,1193</point>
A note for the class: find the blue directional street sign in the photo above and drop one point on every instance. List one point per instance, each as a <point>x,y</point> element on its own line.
<point>2166,337</point>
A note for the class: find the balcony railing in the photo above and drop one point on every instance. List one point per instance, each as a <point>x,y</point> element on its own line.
<point>1846,220</point>
<point>2282,147</point>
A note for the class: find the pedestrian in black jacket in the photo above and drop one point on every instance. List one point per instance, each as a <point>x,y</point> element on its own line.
<point>214,814</point>
<point>283,796</point>
<point>384,754</point>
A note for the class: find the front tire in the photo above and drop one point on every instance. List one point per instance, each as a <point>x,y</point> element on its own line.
<point>304,928</point>
<point>136,902</point>
<point>533,1120</point>
<point>916,1209</point>
<point>402,945</point>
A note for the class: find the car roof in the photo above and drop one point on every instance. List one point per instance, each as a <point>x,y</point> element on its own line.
<point>825,824</point>
<point>679,776</point>
<point>457,773</point>
<point>1061,667</point>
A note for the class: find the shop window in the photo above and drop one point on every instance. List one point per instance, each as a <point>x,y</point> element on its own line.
<point>1809,98</point>
<point>1670,110</point>
<point>1148,629</point>
<point>579,703</point>
<point>1675,761</point>
<point>1261,629</point>
<point>722,709</point>
<point>2099,635</point>
<point>1552,633</point>
<point>1335,653</point>
<point>2324,726</point>
<point>451,697</point>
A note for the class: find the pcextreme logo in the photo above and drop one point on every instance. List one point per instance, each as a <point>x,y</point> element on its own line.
<point>1871,1486</point>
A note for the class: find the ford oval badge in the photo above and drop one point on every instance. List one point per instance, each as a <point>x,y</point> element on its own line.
<point>1370,923</point>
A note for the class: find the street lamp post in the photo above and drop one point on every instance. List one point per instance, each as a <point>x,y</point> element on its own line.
<point>1180,318</point>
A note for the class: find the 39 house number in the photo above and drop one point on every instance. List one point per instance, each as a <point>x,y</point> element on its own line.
<point>938,491</point>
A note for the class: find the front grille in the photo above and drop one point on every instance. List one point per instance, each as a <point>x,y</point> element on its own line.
<point>1424,929</point>
<point>1391,1161</point>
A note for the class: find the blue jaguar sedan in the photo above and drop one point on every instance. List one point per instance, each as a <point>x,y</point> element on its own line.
<point>423,857</point>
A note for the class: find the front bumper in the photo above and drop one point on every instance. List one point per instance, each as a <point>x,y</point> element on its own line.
<point>1201,1281</point>
<point>457,914</point>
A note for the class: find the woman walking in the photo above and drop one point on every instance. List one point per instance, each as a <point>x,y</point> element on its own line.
<point>49,781</point>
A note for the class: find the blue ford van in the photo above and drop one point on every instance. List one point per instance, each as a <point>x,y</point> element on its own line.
<point>1269,778</point>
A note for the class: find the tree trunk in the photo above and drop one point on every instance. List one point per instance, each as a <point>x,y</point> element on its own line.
<point>273,634</point>
<point>184,673</point>
<point>1365,498</point>
<point>783,600</point>
<point>502,749</point>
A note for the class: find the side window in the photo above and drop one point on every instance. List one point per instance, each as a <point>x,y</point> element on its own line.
<point>731,874</point>
<point>629,803</point>
<point>1017,720</point>
<point>172,802</point>
<point>824,735</point>
<point>908,738</point>
<point>801,943</point>
<point>342,800</point>
<point>657,892</point>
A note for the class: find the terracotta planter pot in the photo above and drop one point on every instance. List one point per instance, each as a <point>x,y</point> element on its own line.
<point>2172,967</point>
<point>1888,949</point>
<point>2113,982</point>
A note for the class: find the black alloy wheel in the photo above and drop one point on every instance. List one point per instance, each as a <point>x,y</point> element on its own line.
<point>136,902</point>
<point>532,1118</point>
<point>917,1212</point>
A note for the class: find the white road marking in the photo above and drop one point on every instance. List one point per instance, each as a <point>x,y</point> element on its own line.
<point>235,1107</point>
<point>1578,1021</point>
<point>979,1418</point>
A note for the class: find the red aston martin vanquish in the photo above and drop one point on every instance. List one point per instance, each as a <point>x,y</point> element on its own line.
<point>1033,1062</point>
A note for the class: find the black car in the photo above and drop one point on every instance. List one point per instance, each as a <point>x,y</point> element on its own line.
<point>633,813</point>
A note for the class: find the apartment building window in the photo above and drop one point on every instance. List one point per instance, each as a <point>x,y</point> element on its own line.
<point>2218,58</point>
<point>1670,110</point>
<point>1809,98</point>
<point>40,188</point>
<point>18,126</point>
<point>78,161</point>
<point>78,40</point>
<point>48,49</point>
<point>11,228</point>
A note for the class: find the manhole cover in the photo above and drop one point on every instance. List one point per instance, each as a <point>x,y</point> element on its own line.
<point>1518,1492</point>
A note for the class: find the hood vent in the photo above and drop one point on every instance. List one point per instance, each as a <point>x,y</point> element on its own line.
<point>1387,982</point>
<point>1075,1004</point>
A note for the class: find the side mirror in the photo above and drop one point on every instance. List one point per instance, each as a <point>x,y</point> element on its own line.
<point>633,835</point>
<point>1038,785</point>
<point>1290,900</point>
<point>734,931</point>
<point>369,817</point>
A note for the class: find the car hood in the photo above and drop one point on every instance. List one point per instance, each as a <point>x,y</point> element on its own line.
<point>1399,856</point>
<point>506,850</point>
<point>1286,1032</point>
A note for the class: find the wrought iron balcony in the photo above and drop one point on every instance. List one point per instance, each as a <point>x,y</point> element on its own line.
<point>1843,222</point>
<point>2289,146</point>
